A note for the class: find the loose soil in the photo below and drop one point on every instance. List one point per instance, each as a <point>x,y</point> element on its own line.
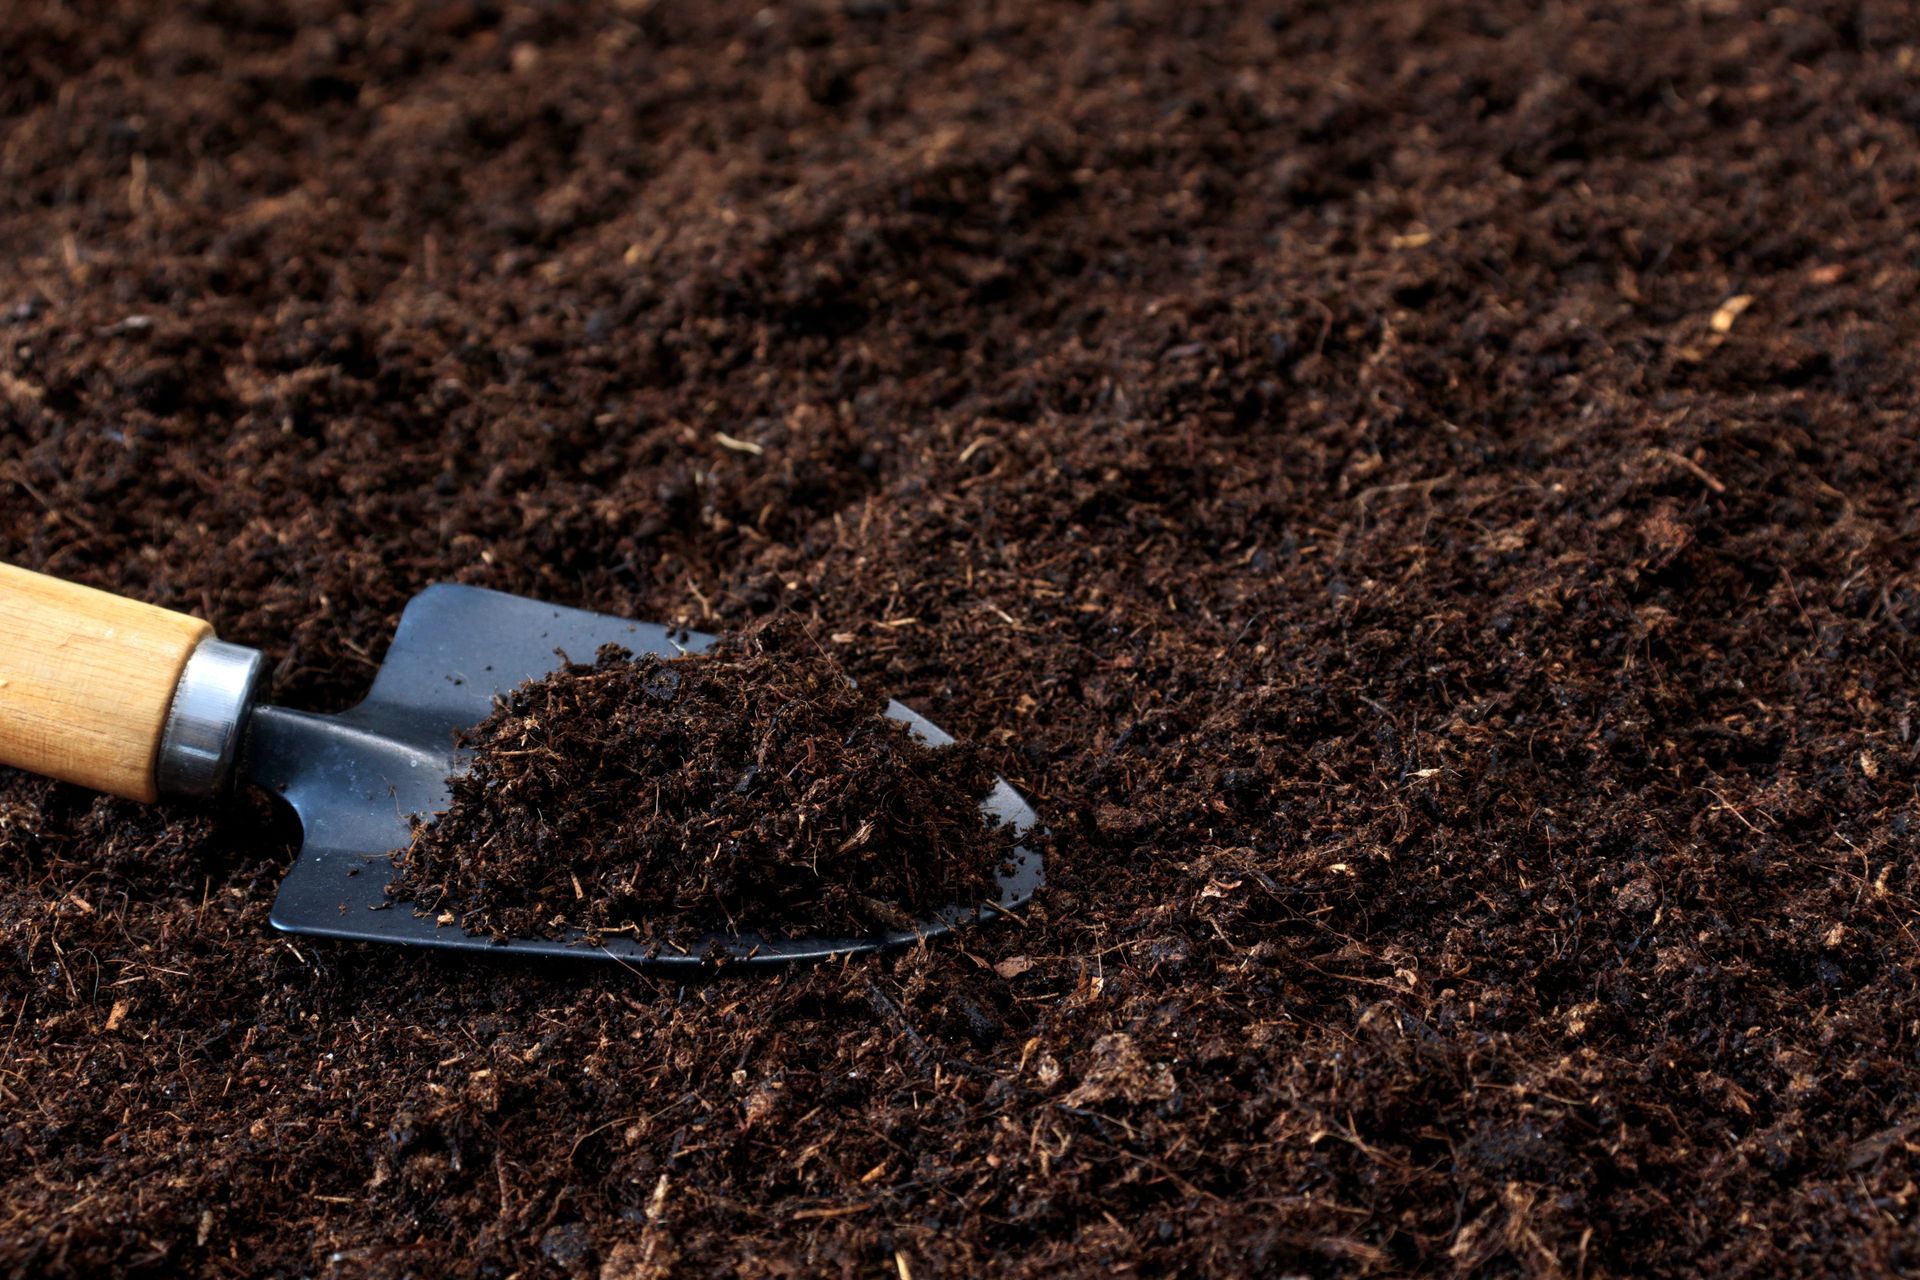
<point>747,788</point>
<point>1422,497</point>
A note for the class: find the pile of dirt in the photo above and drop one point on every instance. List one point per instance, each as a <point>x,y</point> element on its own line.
<point>747,788</point>
<point>1422,498</point>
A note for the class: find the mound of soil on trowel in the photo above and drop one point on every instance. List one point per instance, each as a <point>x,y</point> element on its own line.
<point>750,788</point>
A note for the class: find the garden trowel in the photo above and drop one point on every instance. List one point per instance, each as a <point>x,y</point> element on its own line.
<point>145,703</point>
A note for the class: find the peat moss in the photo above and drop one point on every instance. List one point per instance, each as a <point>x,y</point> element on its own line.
<point>748,788</point>
<point>1472,694</point>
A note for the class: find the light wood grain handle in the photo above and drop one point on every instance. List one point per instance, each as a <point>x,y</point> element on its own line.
<point>87,682</point>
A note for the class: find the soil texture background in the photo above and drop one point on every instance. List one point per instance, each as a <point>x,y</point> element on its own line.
<point>1421,497</point>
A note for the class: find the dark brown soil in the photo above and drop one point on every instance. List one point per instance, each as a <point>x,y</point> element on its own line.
<point>750,787</point>
<point>1424,498</point>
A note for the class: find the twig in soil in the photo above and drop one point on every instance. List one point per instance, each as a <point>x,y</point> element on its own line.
<point>65,517</point>
<point>1681,460</point>
<point>840,1211</point>
<point>1731,808</point>
<point>1427,486</point>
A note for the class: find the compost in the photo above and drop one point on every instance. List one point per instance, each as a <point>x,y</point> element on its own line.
<point>1422,498</point>
<point>750,787</point>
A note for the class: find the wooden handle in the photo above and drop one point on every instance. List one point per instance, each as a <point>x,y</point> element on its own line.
<point>87,681</point>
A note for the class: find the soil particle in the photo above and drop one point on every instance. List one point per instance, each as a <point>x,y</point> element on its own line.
<point>568,1247</point>
<point>1116,1070</point>
<point>750,787</point>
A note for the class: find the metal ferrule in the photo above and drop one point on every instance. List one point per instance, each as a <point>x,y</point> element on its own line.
<point>210,709</point>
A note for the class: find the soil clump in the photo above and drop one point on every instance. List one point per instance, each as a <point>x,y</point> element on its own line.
<point>747,788</point>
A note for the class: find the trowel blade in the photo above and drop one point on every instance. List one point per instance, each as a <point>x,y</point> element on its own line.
<point>357,779</point>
